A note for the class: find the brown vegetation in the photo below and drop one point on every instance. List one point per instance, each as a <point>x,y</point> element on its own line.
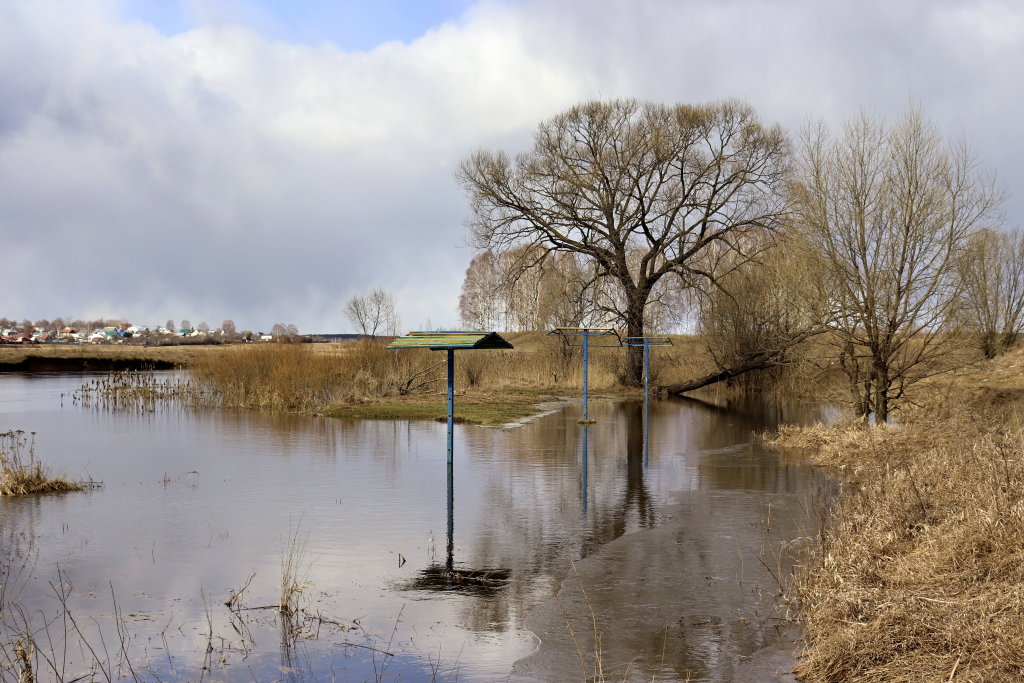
<point>918,573</point>
<point>96,356</point>
<point>364,379</point>
<point>326,377</point>
<point>22,473</point>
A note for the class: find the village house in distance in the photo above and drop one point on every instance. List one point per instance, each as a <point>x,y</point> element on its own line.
<point>128,333</point>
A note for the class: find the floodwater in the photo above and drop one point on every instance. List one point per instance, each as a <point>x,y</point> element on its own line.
<point>574,552</point>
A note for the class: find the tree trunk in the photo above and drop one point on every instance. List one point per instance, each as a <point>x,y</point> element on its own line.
<point>758,360</point>
<point>636,302</point>
<point>755,361</point>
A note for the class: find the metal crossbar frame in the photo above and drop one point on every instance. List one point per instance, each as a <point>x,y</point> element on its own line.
<point>586,333</point>
<point>647,343</point>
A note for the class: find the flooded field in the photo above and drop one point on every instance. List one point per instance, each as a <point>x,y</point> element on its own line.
<point>552,552</point>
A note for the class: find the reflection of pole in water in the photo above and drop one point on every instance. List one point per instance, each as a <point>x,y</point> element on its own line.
<point>636,456</point>
<point>449,560</point>
<point>647,343</point>
<point>586,430</point>
<point>647,432</point>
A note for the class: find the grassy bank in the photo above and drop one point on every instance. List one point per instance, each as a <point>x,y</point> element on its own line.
<point>477,408</point>
<point>362,379</point>
<point>918,574</point>
<point>57,357</point>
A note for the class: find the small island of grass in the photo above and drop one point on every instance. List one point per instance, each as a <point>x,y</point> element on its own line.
<point>22,473</point>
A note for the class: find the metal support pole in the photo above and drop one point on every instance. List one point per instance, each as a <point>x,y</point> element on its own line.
<point>449,562</point>
<point>451,404</point>
<point>586,347</point>
<point>647,366</point>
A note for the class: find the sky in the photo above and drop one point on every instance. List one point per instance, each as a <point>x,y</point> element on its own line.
<point>265,160</point>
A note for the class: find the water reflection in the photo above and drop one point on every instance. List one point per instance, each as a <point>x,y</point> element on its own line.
<point>585,457</point>
<point>449,577</point>
<point>662,505</point>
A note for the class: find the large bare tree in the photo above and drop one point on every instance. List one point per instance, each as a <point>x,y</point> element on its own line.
<point>890,207</point>
<point>641,191</point>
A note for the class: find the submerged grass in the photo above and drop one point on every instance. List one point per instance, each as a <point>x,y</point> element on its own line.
<point>918,573</point>
<point>22,473</point>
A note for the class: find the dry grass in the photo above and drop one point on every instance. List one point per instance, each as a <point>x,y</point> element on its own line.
<point>364,379</point>
<point>918,574</point>
<point>277,376</point>
<point>22,473</point>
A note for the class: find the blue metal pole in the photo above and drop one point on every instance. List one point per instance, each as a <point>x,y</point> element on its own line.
<point>586,347</point>
<point>647,365</point>
<point>451,404</point>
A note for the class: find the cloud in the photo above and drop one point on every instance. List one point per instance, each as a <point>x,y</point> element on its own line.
<point>218,173</point>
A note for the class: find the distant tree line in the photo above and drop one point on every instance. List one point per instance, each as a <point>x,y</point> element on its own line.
<point>884,240</point>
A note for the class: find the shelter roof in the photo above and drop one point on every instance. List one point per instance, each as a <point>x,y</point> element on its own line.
<point>439,341</point>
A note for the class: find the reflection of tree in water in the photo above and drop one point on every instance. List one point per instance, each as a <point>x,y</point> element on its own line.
<point>611,519</point>
<point>534,521</point>
<point>731,429</point>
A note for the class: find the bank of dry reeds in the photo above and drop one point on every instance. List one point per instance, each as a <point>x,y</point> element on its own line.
<point>21,472</point>
<point>918,573</point>
<point>314,377</point>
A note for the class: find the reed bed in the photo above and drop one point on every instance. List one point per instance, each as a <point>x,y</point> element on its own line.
<point>22,473</point>
<point>314,378</point>
<point>323,378</point>
<point>918,573</point>
<point>139,391</point>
